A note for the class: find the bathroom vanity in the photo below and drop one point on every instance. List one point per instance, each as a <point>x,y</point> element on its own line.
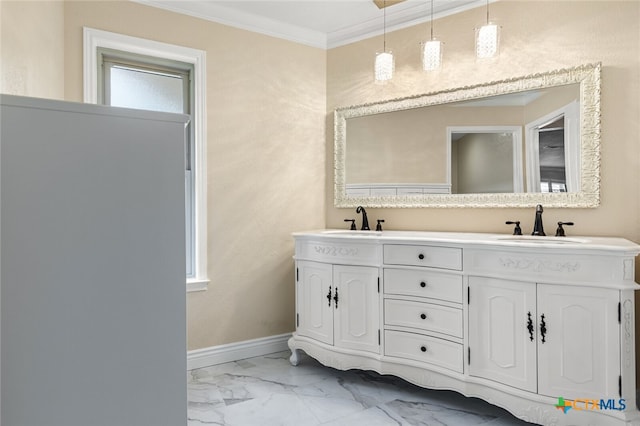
<point>525,323</point>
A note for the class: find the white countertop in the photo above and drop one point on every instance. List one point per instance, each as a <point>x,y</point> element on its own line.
<point>548,242</point>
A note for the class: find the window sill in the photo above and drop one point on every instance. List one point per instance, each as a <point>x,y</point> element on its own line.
<point>197,284</point>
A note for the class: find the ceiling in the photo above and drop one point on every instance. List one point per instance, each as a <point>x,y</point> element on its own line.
<point>319,23</point>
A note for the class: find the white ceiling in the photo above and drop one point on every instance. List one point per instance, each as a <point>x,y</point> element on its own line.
<point>318,23</point>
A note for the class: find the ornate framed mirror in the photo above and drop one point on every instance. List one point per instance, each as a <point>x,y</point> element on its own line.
<point>403,153</point>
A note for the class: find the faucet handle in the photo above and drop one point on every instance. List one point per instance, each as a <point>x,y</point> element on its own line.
<point>379,225</point>
<point>517,230</point>
<point>353,223</point>
<point>560,230</point>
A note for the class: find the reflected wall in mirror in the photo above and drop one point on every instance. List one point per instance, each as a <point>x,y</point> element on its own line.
<point>403,152</point>
<point>485,159</point>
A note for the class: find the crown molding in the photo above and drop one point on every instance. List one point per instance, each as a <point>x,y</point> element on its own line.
<point>404,15</point>
<point>408,15</point>
<point>214,12</point>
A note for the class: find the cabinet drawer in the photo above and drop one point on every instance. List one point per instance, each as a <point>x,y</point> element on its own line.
<point>433,257</point>
<point>425,316</point>
<point>412,282</point>
<point>423,348</point>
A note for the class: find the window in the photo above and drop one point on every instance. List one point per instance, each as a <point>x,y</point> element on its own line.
<point>553,151</point>
<point>135,73</point>
<point>142,82</point>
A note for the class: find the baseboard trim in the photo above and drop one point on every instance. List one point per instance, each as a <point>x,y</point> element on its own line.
<point>213,355</point>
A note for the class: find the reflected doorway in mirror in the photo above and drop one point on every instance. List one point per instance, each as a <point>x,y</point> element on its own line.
<point>553,151</point>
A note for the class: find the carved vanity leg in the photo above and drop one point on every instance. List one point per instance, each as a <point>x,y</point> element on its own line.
<point>294,359</point>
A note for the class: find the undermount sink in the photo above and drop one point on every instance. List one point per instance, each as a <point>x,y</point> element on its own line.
<point>351,232</point>
<point>541,240</point>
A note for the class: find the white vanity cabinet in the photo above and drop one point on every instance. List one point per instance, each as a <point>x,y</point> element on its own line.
<point>356,316</point>
<point>550,339</point>
<point>501,347</point>
<point>580,354</point>
<point>338,304</point>
<point>517,321</point>
<point>314,292</point>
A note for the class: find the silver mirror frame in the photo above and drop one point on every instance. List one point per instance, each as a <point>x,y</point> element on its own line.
<point>588,76</point>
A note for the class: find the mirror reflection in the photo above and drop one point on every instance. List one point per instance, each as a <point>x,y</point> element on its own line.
<point>418,151</point>
<point>485,159</point>
<point>518,137</point>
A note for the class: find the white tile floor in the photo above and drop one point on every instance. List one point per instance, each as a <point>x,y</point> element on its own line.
<point>269,391</point>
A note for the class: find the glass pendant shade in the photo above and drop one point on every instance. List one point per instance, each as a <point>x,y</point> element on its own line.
<point>384,67</point>
<point>431,55</point>
<point>487,39</point>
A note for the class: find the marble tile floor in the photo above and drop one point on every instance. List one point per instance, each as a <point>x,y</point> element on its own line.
<point>268,391</point>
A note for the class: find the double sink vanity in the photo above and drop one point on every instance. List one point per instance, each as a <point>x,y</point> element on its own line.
<point>541,326</point>
<point>523,322</point>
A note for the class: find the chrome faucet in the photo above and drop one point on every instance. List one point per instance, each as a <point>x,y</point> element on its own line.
<point>365,221</point>
<point>538,229</point>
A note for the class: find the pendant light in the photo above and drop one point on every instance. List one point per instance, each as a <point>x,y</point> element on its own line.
<point>487,39</point>
<point>431,50</point>
<point>385,62</point>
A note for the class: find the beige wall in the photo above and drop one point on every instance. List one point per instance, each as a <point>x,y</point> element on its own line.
<point>410,146</point>
<point>266,159</point>
<point>484,163</point>
<point>32,48</point>
<point>536,37</point>
<point>551,101</point>
<point>395,147</point>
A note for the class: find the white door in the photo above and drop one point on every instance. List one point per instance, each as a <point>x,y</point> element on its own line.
<point>356,308</point>
<point>314,300</point>
<point>502,331</point>
<point>580,354</point>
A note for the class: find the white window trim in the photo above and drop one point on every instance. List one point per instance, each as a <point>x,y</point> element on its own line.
<point>94,39</point>
<point>571,113</point>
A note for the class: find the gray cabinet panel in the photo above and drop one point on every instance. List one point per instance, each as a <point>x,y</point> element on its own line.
<point>93,321</point>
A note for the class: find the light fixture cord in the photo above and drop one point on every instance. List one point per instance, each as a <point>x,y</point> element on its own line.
<point>431,19</point>
<point>384,26</point>
<point>487,12</point>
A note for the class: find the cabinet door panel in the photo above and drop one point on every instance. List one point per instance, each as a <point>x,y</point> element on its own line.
<point>580,357</point>
<point>500,345</point>
<point>315,312</point>
<point>356,315</point>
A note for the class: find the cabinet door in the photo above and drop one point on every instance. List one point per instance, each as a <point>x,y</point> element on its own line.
<point>502,348</point>
<point>356,312</point>
<point>315,309</point>
<point>580,355</point>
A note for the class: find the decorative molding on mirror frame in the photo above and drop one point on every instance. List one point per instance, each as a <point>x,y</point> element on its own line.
<point>589,195</point>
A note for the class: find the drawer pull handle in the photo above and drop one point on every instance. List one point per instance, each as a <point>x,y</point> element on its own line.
<point>421,256</point>
<point>423,284</point>
<point>423,316</point>
<point>423,348</point>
